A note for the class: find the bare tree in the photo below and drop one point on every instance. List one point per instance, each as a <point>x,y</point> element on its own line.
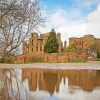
<point>11,86</point>
<point>17,19</point>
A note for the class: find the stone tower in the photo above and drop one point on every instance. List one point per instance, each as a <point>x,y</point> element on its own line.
<point>37,42</point>
<point>59,42</point>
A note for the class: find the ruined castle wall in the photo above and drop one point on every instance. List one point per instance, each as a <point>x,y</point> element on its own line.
<point>59,42</point>
<point>54,57</point>
<point>84,42</point>
<point>77,42</point>
<point>25,48</point>
<point>33,43</point>
<point>98,46</point>
<point>88,40</point>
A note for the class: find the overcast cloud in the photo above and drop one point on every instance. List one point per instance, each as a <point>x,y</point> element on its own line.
<point>74,22</point>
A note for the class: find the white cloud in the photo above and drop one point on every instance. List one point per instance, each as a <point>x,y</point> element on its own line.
<point>95,16</point>
<point>86,3</point>
<point>93,24</point>
<point>64,23</point>
<point>58,18</point>
<point>72,29</point>
<point>70,24</point>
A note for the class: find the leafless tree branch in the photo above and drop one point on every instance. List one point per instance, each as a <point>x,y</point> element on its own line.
<point>17,19</point>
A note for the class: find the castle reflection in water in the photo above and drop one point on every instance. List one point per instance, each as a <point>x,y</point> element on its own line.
<point>51,80</point>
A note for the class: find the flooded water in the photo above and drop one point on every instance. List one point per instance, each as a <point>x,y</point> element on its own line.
<point>47,84</point>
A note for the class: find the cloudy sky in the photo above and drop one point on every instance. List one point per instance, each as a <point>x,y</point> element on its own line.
<point>72,18</point>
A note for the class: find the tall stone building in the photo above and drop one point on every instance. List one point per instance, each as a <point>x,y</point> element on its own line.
<point>37,42</point>
<point>85,42</point>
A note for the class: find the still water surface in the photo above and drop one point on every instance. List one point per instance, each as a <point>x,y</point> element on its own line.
<point>47,84</point>
<point>63,84</point>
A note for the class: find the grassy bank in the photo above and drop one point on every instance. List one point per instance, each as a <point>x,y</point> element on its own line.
<point>76,61</point>
<point>98,59</point>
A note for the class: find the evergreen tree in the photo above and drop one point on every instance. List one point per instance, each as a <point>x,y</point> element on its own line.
<point>51,45</point>
<point>71,48</point>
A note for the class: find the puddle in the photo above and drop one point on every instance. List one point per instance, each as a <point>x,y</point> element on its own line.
<point>48,84</point>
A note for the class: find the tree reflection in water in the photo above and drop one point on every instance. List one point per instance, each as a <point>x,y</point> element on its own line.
<point>10,85</point>
<point>30,84</point>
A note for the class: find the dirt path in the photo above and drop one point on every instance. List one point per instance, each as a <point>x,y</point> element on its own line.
<point>88,65</point>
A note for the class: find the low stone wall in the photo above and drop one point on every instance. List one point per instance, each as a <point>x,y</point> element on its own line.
<point>54,57</point>
<point>21,59</point>
<point>83,56</point>
<point>66,57</point>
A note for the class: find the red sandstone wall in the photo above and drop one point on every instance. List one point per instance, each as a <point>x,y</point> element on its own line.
<point>21,59</point>
<point>83,56</point>
<point>55,57</point>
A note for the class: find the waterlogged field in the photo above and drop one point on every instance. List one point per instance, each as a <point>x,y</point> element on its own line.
<point>49,84</point>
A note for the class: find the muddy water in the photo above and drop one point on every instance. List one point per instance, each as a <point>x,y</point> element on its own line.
<point>48,84</point>
<point>63,84</point>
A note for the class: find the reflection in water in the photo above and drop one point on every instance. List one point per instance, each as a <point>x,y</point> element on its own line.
<point>62,82</point>
<point>10,85</point>
<point>44,84</point>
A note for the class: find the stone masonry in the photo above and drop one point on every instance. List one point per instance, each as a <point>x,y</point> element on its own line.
<point>37,42</point>
<point>35,48</point>
<point>85,42</point>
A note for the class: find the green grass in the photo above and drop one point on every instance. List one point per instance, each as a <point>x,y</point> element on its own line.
<point>98,59</point>
<point>76,61</point>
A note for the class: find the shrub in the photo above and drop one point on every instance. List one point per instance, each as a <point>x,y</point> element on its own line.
<point>35,59</point>
<point>8,58</point>
<point>76,61</point>
<point>71,48</point>
<point>98,54</point>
